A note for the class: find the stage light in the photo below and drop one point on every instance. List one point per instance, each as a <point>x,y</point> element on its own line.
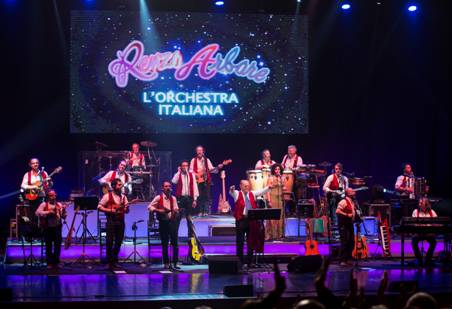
<point>219,3</point>
<point>346,6</point>
<point>412,8</point>
<point>298,1</point>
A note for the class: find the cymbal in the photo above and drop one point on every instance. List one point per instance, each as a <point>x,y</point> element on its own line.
<point>148,144</point>
<point>325,164</point>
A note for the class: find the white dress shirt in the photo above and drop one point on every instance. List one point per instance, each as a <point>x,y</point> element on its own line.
<point>186,184</point>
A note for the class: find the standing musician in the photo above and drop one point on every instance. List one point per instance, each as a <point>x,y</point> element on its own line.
<point>136,159</point>
<point>424,210</point>
<point>121,174</point>
<point>405,183</point>
<point>51,213</point>
<point>30,181</point>
<point>165,205</point>
<point>203,168</point>
<point>346,214</point>
<point>246,229</point>
<point>186,192</point>
<point>291,160</point>
<point>334,186</point>
<point>274,229</point>
<point>115,205</point>
<point>266,161</point>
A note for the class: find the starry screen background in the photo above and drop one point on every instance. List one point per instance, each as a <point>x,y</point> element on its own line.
<point>278,106</point>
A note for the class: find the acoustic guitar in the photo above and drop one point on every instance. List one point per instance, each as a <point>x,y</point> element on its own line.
<point>360,251</point>
<point>311,245</point>
<point>201,176</point>
<point>223,205</point>
<point>32,194</point>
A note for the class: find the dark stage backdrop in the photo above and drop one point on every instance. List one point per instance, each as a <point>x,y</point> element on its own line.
<point>379,96</point>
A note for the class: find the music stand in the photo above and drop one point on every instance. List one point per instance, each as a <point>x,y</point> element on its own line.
<point>264,214</point>
<point>86,204</point>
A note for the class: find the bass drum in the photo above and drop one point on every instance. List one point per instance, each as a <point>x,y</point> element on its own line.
<point>287,180</point>
<point>256,179</point>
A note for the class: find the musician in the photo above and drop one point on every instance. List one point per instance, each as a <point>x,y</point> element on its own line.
<point>202,167</point>
<point>346,214</point>
<point>291,160</point>
<point>51,215</point>
<point>424,211</point>
<point>405,183</point>
<point>246,229</point>
<point>121,174</point>
<point>136,160</point>
<point>186,192</point>
<point>334,186</point>
<point>274,229</point>
<point>165,205</point>
<point>33,180</point>
<point>115,205</point>
<point>266,161</point>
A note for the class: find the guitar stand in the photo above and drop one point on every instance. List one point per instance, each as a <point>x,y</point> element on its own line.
<point>356,266</point>
<point>135,253</point>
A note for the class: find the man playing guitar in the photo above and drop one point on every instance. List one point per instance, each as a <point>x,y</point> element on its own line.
<point>115,205</point>
<point>121,174</point>
<point>165,205</point>
<point>202,167</point>
<point>334,187</point>
<point>51,215</point>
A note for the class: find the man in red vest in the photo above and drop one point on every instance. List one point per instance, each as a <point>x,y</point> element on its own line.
<point>121,174</point>
<point>165,205</point>
<point>136,160</point>
<point>186,193</point>
<point>245,229</point>
<point>115,205</point>
<point>346,214</point>
<point>334,187</point>
<point>51,213</point>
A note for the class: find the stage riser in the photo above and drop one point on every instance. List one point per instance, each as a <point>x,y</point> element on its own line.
<point>203,225</point>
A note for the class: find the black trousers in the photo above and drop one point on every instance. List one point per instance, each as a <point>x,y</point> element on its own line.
<point>242,229</point>
<point>332,205</point>
<point>168,230</point>
<point>431,246</point>
<point>347,237</point>
<point>53,240</point>
<point>204,200</point>
<point>115,236</point>
<point>185,204</point>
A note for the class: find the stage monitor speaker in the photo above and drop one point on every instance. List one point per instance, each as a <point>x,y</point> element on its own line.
<point>6,294</point>
<point>224,264</point>
<point>305,264</point>
<point>244,290</point>
<point>222,230</point>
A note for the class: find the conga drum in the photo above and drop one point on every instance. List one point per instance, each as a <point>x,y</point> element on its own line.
<point>287,180</point>
<point>265,175</point>
<point>255,179</point>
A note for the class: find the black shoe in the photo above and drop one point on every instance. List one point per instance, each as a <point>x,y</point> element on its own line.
<point>175,267</point>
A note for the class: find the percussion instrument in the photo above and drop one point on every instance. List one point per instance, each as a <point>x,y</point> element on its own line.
<point>266,172</point>
<point>148,144</point>
<point>256,179</point>
<point>356,181</point>
<point>287,180</point>
<point>325,164</point>
<point>140,173</point>
<point>420,187</point>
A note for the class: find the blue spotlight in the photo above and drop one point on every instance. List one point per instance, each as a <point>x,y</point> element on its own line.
<point>412,8</point>
<point>219,3</point>
<point>346,6</point>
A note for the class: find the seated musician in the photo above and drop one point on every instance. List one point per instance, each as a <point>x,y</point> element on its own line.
<point>119,173</point>
<point>136,159</point>
<point>424,211</point>
<point>266,161</point>
<point>346,214</point>
<point>334,186</point>
<point>52,214</point>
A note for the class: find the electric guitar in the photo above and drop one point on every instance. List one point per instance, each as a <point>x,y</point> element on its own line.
<point>107,188</point>
<point>201,176</point>
<point>341,193</point>
<point>223,204</point>
<point>310,245</point>
<point>32,194</point>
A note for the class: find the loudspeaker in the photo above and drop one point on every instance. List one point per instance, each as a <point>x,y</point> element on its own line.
<point>222,230</point>
<point>305,264</point>
<point>244,290</point>
<point>224,264</point>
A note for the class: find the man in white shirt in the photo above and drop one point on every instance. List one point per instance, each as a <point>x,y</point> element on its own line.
<point>119,173</point>
<point>245,229</point>
<point>334,188</point>
<point>292,160</point>
<point>424,211</point>
<point>266,161</point>
<point>165,205</point>
<point>187,193</point>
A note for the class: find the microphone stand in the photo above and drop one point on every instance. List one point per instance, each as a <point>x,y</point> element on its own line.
<point>135,252</point>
